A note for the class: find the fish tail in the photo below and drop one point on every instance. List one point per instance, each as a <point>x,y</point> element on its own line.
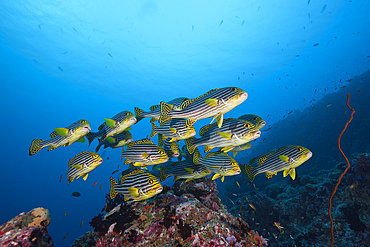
<point>190,145</point>
<point>112,192</point>
<point>165,109</point>
<point>163,175</point>
<point>35,146</point>
<point>91,136</point>
<point>248,170</point>
<point>98,147</point>
<point>153,132</point>
<point>197,156</point>
<point>138,114</point>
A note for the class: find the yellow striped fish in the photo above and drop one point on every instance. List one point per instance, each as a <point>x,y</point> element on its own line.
<point>143,153</point>
<point>174,129</point>
<point>285,159</point>
<point>116,141</point>
<point>254,119</point>
<point>155,110</point>
<point>171,148</point>
<point>136,184</point>
<point>214,104</point>
<point>113,126</point>
<point>62,137</point>
<point>183,170</point>
<point>219,162</point>
<point>82,164</point>
<point>234,132</point>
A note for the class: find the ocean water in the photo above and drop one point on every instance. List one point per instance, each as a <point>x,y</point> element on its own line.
<point>62,61</point>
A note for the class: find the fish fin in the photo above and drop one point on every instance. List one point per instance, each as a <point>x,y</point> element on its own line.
<point>133,191</point>
<point>172,140</point>
<point>189,170</point>
<point>219,120</point>
<point>127,162</point>
<point>222,178</point>
<point>292,173</point>
<point>160,140</point>
<point>225,135</point>
<point>165,109</point>
<point>138,114</point>
<point>208,155</point>
<point>252,160</point>
<point>111,140</point>
<point>145,155</point>
<point>189,144</point>
<point>162,172</point>
<point>112,192</point>
<point>216,176</point>
<point>205,128</point>
<point>153,107</point>
<point>173,130</point>
<point>189,123</point>
<point>207,148</point>
<point>102,126</point>
<point>62,131</point>
<point>53,134</point>
<point>227,149</point>
<point>179,158</point>
<point>196,157</point>
<point>82,139</point>
<point>212,102</point>
<point>76,166</point>
<point>153,133</point>
<point>84,177</point>
<point>91,136</point>
<point>249,171</point>
<point>110,122</point>
<point>234,153</point>
<point>284,158</point>
<point>185,103</point>
<point>51,148</point>
<point>286,172</point>
<point>269,175</point>
<point>187,180</point>
<point>35,146</point>
<point>242,169</point>
<point>176,178</point>
<point>125,198</point>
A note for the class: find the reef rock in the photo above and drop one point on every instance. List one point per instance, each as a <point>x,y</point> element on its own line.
<point>27,229</point>
<point>187,214</point>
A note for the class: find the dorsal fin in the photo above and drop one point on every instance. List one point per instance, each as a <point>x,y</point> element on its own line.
<point>147,141</point>
<point>101,126</point>
<point>153,107</point>
<point>205,128</point>
<point>53,134</point>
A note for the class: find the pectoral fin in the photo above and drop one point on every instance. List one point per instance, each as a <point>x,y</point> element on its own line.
<point>145,155</point>
<point>189,170</point>
<point>134,192</point>
<point>212,102</point>
<point>82,139</point>
<point>77,166</point>
<point>219,120</point>
<point>62,131</point>
<point>284,158</point>
<point>225,135</point>
<point>110,122</point>
<point>126,198</point>
<point>110,139</point>
<point>173,130</point>
<point>292,173</point>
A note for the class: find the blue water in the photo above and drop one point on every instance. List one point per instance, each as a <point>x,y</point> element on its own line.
<point>71,60</point>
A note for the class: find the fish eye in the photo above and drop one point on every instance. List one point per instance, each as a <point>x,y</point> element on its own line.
<point>255,118</point>
<point>233,89</point>
<point>150,181</point>
<point>82,121</point>
<point>299,149</point>
<point>247,125</point>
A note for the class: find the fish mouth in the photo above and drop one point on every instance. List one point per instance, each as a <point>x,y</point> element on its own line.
<point>133,119</point>
<point>309,155</point>
<point>100,161</point>
<point>237,171</point>
<point>175,155</point>
<point>257,134</point>
<point>159,190</point>
<point>243,95</point>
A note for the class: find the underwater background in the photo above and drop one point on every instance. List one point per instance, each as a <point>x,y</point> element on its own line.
<point>62,61</point>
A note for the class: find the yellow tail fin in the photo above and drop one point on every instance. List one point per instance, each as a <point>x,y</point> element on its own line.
<point>35,146</point>
<point>165,109</point>
<point>112,192</point>
<point>138,113</point>
<point>248,170</point>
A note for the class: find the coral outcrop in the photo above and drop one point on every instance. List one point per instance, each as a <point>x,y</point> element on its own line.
<point>187,214</point>
<point>27,229</point>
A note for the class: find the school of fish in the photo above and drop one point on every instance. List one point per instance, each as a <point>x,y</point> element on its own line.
<point>176,120</point>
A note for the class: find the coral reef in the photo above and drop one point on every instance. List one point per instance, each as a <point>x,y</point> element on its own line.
<point>27,229</point>
<point>187,214</point>
<point>301,206</point>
